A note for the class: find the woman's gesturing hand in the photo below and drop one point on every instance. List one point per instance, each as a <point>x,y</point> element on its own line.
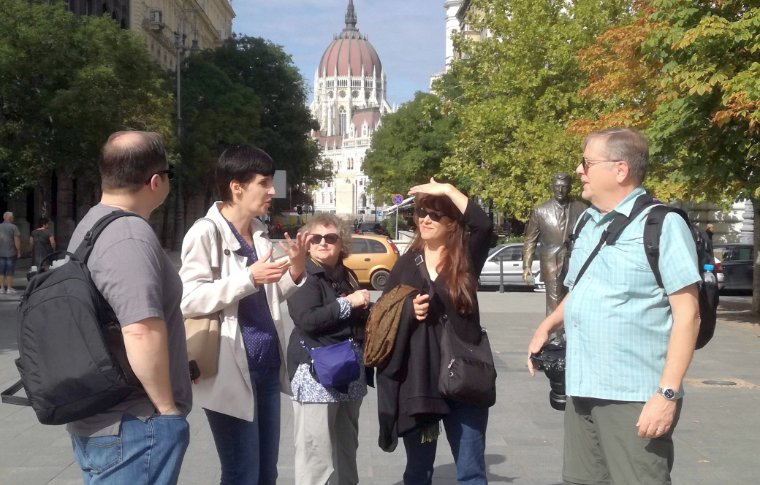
<point>296,250</point>
<point>264,271</point>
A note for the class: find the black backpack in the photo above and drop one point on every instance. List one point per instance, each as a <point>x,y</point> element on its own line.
<point>708,287</point>
<point>72,360</point>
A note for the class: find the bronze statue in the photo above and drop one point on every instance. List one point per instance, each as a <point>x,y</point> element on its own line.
<point>550,224</point>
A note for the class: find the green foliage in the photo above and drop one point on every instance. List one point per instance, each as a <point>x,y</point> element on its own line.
<point>66,83</point>
<point>518,93</point>
<point>409,146</point>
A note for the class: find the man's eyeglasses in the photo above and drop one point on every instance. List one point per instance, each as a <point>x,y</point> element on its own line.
<point>330,238</point>
<point>587,162</point>
<point>434,215</point>
<point>169,174</point>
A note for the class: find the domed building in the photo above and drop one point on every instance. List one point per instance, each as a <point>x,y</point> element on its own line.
<point>349,103</point>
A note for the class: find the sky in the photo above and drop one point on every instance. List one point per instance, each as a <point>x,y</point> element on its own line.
<point>408,35</point>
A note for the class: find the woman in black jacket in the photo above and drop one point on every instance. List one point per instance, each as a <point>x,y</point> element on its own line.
<point>329,308</point>
<point>443,262</point>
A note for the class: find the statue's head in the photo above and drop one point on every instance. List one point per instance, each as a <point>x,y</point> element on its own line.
<point>561,187</point>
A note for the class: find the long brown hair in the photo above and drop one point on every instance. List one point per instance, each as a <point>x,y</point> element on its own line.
<point>454,267</point>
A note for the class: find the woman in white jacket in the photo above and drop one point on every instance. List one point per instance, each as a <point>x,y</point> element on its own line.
<point>242,401</point>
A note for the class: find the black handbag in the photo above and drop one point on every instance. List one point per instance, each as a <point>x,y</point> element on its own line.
<point>467,370</point>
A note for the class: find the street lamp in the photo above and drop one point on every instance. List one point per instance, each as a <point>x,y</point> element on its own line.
<point>179,45</point>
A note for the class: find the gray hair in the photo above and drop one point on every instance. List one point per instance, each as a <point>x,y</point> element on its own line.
<point>7,216</point>
<point>328,219</point>
<point>625,144</point>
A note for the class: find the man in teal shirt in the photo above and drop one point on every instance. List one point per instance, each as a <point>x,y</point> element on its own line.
<point>629,341</point>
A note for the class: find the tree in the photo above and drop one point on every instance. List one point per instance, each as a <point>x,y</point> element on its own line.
<point>409,146</point>
<point>66,83</point>
<point>519,92</point>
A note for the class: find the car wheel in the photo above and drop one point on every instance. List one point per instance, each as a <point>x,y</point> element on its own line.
<point>379,279</point>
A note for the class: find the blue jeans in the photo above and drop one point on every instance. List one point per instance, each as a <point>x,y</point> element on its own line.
<point>466,431</point>
<point>143,453</point>
<point>248,451</point>
<point>8,265</point>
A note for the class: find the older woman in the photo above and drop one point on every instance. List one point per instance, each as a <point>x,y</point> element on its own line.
<point>447,252</point>
<point>242,401</point>
<point>329,308</point>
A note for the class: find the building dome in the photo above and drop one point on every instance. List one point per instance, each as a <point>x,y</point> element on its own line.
<point>350,52</point>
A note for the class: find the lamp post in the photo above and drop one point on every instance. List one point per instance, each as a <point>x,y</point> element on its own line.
<point>179,222</point>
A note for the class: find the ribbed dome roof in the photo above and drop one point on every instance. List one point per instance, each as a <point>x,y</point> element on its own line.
<point>349,52</point>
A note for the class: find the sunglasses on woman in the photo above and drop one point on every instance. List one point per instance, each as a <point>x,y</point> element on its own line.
<point>331,238</point>
<point>434,215</point>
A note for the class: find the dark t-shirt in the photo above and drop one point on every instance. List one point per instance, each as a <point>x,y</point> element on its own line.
<point>139,281</point>
<point>41,246</point>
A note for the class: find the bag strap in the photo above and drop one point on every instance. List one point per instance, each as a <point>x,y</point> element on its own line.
<point>419,260</point>
<point>218,237</point>
<point>614,229</point>
<point>652,233</point>
<point>8,397</point>
<point>82,252</point>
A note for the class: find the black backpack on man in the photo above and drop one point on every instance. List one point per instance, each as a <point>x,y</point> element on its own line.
<point>708,287</point>
<point>72,359</point>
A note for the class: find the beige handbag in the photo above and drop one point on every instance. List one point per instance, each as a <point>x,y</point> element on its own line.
<point>202,333</point>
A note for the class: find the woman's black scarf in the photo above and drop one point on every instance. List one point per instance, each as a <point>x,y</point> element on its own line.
<point>339,277</point>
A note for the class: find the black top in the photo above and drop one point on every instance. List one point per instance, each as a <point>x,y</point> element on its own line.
<point>314,309</point>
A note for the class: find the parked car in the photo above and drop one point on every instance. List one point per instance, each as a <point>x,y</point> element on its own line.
<point>370,228</point>
<point>372,259</point>
<point>510,256</point>
<point>736,262</point>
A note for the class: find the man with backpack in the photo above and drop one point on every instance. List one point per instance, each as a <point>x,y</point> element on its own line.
<point>630,340</point>
<point>143,438</point>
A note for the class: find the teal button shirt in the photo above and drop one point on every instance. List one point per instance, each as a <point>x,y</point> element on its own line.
<point>617,318</point>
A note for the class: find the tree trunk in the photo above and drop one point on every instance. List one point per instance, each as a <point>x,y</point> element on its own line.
<point>756,263</point>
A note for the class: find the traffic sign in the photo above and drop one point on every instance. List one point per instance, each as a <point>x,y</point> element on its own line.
<point>397,199</point>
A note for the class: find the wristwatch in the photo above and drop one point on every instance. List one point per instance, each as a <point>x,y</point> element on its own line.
<point>669,394</point>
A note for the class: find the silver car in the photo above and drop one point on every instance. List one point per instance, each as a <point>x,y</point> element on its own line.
<point>508,258</point>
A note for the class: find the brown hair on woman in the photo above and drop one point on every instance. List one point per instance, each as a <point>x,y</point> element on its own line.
<point>455,263</point>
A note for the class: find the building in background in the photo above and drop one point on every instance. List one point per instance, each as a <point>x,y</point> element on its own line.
<point>349,103</point>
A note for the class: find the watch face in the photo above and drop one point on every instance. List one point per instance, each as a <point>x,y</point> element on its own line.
<point>669,393</point>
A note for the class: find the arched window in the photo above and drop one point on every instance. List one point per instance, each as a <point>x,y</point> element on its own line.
<point>342,124</point>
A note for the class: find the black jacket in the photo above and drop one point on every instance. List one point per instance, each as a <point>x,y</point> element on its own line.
<point>407,386</point>
<point>314,309</point>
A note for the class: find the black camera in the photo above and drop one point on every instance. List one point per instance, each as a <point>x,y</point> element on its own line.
<point>551,360</point>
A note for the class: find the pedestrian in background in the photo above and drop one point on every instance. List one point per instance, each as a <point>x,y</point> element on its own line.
<point>629,341</point>
<point>242,401</point>
<point>328,309</point>
<point>10,252</point>
<point>448,252</point>
<point>41,241</point>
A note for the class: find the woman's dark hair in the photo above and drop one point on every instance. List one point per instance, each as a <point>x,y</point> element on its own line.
<point>455,264</point>
<point>42,221</point>
<point>241,163</point>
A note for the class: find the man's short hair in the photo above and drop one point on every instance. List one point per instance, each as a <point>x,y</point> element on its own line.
<point>7,216</point>
<point>241,163</point>
<point>561,176</point>
<point>627,144</point>
<point>42,221</point>
<point>129,158</point>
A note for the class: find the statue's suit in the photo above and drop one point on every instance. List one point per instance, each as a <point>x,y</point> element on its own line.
<point>550,224</point>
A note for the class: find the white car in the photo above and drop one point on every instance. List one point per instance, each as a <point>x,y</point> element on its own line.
<point>507,258</point>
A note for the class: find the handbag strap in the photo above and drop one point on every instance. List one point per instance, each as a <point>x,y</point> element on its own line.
<point>216,271</point>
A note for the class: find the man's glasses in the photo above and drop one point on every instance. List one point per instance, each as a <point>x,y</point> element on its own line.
<point>587,162</point>
<point>434,215</point>
<point>169,174</point>
<point>331,238</point>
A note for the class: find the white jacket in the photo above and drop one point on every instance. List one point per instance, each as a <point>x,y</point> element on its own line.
<point>230,391</point>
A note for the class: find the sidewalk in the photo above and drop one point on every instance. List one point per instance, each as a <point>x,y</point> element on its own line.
<point>717,439</point>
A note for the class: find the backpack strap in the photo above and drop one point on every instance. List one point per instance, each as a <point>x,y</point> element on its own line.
<point>614,229</point>
<point>88,242</point>
<point>652,233</point>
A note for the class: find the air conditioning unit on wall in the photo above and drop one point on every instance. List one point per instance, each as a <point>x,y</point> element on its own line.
<point>156,19</point>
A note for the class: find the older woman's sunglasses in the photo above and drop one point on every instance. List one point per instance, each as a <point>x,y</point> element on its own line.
<point>330,238</point>
<point>434,215</point>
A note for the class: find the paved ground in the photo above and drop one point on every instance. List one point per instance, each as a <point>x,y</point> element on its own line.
<point>716,441</point>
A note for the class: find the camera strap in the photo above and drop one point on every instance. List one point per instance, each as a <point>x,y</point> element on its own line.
<point>613,231</point>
